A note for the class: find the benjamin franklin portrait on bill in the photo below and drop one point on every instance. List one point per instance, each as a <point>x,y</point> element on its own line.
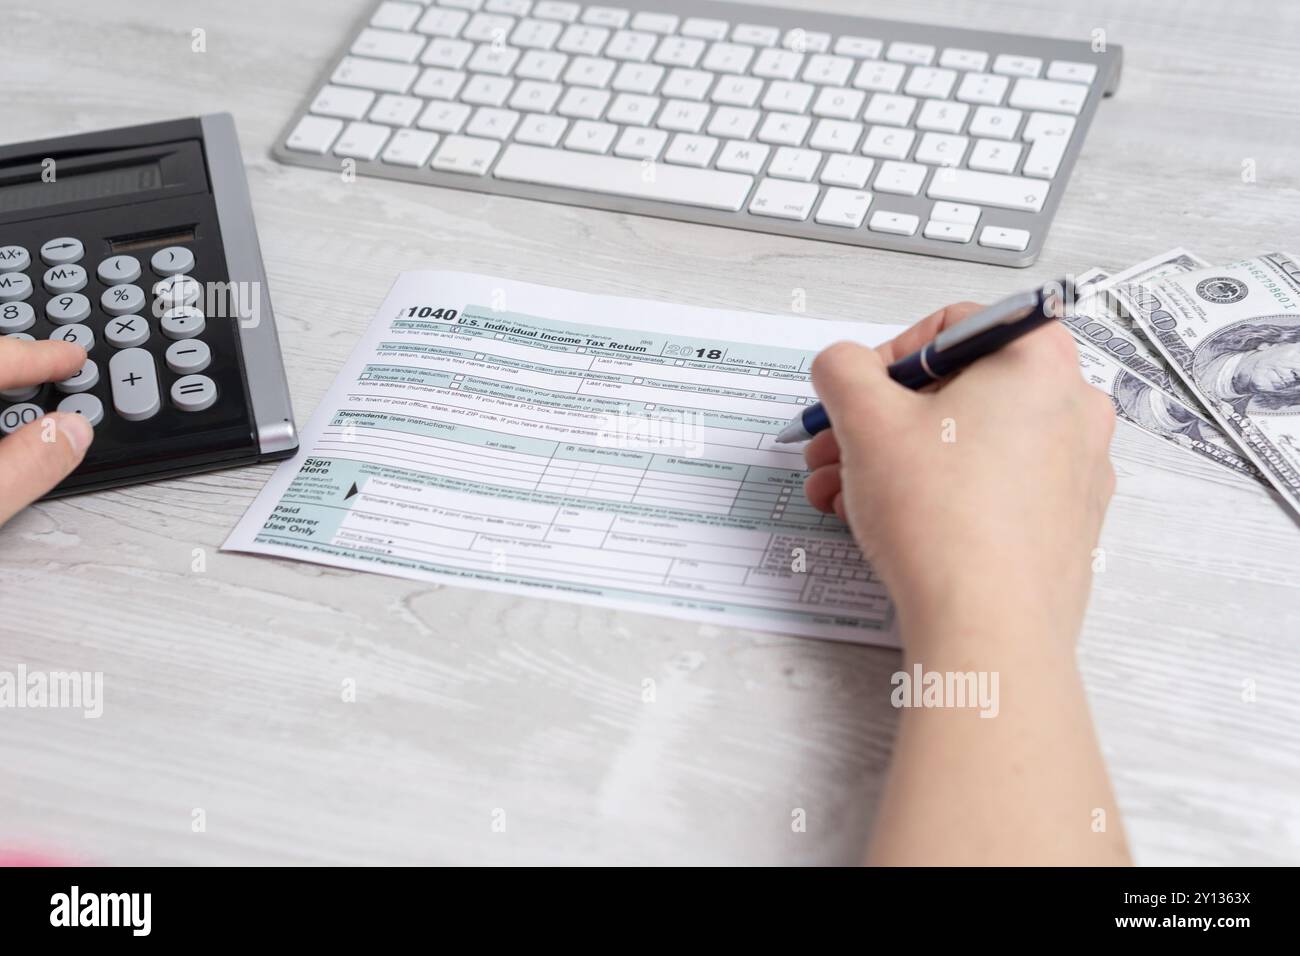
<point>1253,365</point>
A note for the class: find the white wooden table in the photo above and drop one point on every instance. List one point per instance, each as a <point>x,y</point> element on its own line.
<point>222,687</point>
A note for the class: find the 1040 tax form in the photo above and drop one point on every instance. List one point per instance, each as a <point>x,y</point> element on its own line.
<point>550,443</point>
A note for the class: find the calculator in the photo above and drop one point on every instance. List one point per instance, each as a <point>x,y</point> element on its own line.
<point>139,245</point>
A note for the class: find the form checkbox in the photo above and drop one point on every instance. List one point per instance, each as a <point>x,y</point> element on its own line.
<point>649,406</point>
<point>638,381</point>
<point>459,378</point>
<point>479,356</point>
<point>762,371</point>
<point>455,384</point>
<point>582,348</point>
<point>500,335</point>
<point>679,362</point>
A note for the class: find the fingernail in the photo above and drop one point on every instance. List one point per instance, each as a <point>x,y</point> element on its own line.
<point>78,430</point>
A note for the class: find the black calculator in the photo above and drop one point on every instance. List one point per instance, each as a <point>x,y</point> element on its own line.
<point>139,244</point>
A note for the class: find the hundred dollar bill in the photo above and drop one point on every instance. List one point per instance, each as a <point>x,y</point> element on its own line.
<point>1120,286</point>
<point>1233,334</point>
<point>1144,406</point>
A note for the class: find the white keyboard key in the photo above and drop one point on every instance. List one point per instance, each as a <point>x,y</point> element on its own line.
<point>779,199</point>
<point>682,116</point>
<point>773,64</point>
<point>630,109</point>
<point>734,122</point>
<point>588,137</point>
<point>949,231</point>
<point>655,22</point>
<point>441,22</point>
<point>890,109</point>
<point>849,171</point>
<point>583,103</point>
<point>313,134</point>
<point>631,45</point>
<point>894,223</point>
<point>1011,65</point>
<point>806,41</point>
<point>493,59</point>
<point>483,90</point>
<point>541,65</point>
<point>492,123</point>
<point>396,16</point>
<point>941,149</point>
<point>879,77</point>
<point>1052,125</point>
<point>444,117</point>
<point>846,208</point>
<point>999,237</point>
<point>606,17</point>
<point>885,143</point>
<point>689,150</point>
<point>638,78</point>
<point>755,35</point>
<point>396,110</point>
<point>728,58</point>
<point>798,164</point>
<point>549,10</point>
<point>375,74</point>
<point>1045,157</point>
<point>942,116</point>
<point>989,189</point>
<point>446,53</point>
<point>957,59</point>
<point>743,157</point>
<point>737,91</point>
<point>540,130</point>
<point>1048,95</point>
<point>982,88</point>
<point>788,97</point>
<point>919,54</point>
<point>465,154</point>
<point>641,144</point>
<point>992,156</point>
<point>996,122</point>
<point>707,188</point>
<point>410,147</point>
<point>930,81</point>
<point>516,8</point>
<point>582,40</point>
<point>826,70</point>
<point>439,84</point>
<point>361,141</point>
<point>534,34</point>
<point>341,102</point>
<point>1069,71</point>
<point>687,84</point>
<point>863,48</point>
<point>678,51</point>
<point>784,129</point>
<point>835,102</point>
<point>590,71</point>
<point>902,179</point>
<point>536,96</point>
<point>955,212</point>
<point>836,136</point>
<point>703,29</point>
<point>462,4</point>
<point>388,45</point>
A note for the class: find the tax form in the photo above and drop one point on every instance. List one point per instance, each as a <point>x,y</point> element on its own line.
<point>612,451</point>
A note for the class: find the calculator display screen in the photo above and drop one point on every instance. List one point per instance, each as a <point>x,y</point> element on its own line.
<point>75,187</point>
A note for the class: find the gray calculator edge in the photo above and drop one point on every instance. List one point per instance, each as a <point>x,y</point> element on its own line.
<point>268,390</point>
<point>1109,64</point>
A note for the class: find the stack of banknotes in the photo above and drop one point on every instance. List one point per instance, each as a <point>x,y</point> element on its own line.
<point>1207,357</point>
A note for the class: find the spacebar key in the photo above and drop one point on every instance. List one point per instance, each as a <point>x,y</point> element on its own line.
<point>989,189</point>
<point>624,177</point>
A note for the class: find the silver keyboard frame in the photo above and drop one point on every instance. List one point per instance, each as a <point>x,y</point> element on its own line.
<point>1108,65</point>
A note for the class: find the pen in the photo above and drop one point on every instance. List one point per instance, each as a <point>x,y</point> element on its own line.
<point>953,349</point>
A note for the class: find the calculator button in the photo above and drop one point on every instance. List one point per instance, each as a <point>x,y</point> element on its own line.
<point>16,416</point>
<point>20,335</point>
<point>87,376</point>
<point>194,393</point>
<point>69,278</point>
<point>188,356</point>
<point>177,290</point>
<point>126,331</point>
<point>21,394</point>
<point>118,269</point>
<point>66,309</point>
<point>14,287</point>
<point>79,334</point>
<point>134,381</point>
<point>16,317</point>
<point>122,299</point>
<point>172,261</point>
<point>183,322</point>
<point>83,404</point>
<point>14,259</point>
<point>57,252</point>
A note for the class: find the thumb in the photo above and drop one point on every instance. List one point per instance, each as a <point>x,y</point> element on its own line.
<point>38,456</point>
<point>854,385</point>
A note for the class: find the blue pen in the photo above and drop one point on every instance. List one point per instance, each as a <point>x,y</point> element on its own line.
<point>953,349</point>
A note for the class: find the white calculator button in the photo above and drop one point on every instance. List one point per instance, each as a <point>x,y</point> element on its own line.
<point>82,404</point>
<point>118,269</point>
<point>182,322</point>
<point>171,261</point>
<point>194,393</point>
<point>177,290</point>
<point>20,394</point>
<point>24,336</point>
<point>188,356</point>
<point>67,309</point>
<point>16,317</point>
<point>59,251</point>
<point>76,334</point>
<point>14,287</point>
<point>122,299</point>
<point>16,416</point>
<point>68,278</point>
<point>134,381</point>
<point>86,377</point>
<point>998,237</point>
<point>126,331</point>
<point>14,259</point>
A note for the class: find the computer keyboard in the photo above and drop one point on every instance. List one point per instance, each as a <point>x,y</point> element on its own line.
<point>902,136</point>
